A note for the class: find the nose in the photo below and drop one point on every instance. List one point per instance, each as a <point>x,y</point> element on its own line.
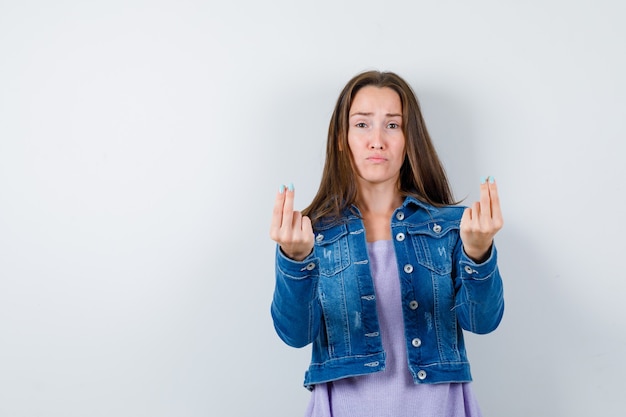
<point>376,140</point>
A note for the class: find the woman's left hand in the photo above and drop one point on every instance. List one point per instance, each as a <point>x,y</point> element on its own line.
<point>481,222</point>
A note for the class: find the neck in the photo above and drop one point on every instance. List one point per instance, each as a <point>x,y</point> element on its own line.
<point>378,200</point>
<point>377,203</point>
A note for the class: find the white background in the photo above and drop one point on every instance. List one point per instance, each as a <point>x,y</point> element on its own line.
<point>142,144</point>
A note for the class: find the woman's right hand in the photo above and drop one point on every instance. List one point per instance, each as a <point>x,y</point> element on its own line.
<point>290,229</point>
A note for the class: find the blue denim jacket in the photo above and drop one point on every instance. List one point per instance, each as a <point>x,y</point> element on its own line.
<point>328,299</point>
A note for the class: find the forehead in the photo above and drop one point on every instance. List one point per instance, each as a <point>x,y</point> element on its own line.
<point>371,98</point>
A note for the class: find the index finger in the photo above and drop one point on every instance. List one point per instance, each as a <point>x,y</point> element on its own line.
<point>288,206</point>
<point>496,211</point>
<point>277,212</point>
<point>485,198</point>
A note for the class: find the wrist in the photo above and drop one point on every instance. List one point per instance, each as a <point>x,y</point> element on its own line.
<point>295,256</point>
<point>478,255</point>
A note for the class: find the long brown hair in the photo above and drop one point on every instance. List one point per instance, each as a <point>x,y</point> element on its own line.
<point>422,174</point>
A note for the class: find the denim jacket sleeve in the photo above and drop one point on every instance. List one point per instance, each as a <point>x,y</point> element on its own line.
<point>479,293</point>
<point>295,309</point>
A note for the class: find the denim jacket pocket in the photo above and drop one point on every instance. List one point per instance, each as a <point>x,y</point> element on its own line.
<point>434,244</point>
<point>332,250</point>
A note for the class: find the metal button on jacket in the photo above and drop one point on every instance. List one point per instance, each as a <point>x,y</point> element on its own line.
<point>400,215</point>
<point>400,237</point>
<point>416,342</point>
<point>469,269</point>
<point>437,228</point>
<point>310,266</point>
<point>413,305</point>
<point>408,268</point>
<point>421,375</point>
<point>319,237</point>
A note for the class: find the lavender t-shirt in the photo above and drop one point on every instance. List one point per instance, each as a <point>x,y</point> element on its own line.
<point>391,392</point>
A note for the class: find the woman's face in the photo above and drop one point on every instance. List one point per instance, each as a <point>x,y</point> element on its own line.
<point>375,136</point>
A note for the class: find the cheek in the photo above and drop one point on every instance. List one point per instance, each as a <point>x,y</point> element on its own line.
<point>400,147</point>
<point>351,142</point>
<point>401,154</point>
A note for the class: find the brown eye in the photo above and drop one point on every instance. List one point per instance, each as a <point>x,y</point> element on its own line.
<point>393,125</point>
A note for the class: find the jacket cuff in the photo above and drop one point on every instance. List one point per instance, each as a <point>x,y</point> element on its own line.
<point>308,267</point>
<point>479,271</point>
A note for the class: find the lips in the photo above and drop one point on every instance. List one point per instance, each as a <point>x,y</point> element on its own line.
<point>376,158</point>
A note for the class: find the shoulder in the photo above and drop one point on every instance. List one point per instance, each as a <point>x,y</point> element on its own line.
<point>328,230</point>
<point>348,216</point>
<point>426,211</point>
<point>450,212</point>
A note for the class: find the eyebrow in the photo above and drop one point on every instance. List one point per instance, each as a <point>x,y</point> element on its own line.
<point>370,114</point>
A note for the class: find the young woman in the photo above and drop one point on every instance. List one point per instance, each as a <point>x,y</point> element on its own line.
<point>382,272</point>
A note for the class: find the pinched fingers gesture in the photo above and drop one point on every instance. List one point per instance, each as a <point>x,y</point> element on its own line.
<point>481,222</point>
<point>290,229</point>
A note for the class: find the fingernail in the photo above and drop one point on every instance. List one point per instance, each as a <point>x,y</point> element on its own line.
<point>483,180</point>
<point>491,180</point>
<point>291,186</point>
<point>281,189</point>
